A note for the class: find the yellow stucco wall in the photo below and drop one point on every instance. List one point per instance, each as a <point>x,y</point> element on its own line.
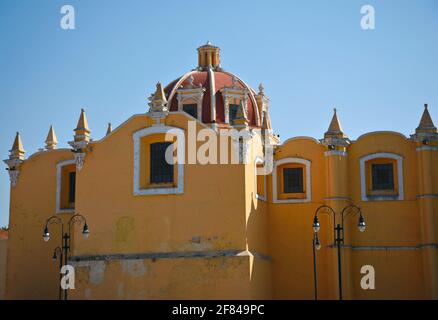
<point>31,273</point>
<point>216,240</point>
<point>211,210</point>
<point>3,256</point>
<point>392,242</point>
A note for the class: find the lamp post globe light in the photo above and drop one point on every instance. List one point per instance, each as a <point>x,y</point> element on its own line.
<point>317,243</point>
<point>46,234</point>
<point>62,251</point>
<point>338,236</point>
<point>361,224</point>
<point>316,225</point>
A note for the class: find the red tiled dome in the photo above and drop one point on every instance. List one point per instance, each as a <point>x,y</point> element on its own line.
<point>213,82</point>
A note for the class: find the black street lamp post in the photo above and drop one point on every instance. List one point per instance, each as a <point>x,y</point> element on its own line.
<point>58,253</point>
<point>316,246</point>
<point>338,236</point>
<point>63,250</point>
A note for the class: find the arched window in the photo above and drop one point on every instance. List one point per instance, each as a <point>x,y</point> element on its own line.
<point>381,176</point>
<point>154,169</point>
<point>291,180</point>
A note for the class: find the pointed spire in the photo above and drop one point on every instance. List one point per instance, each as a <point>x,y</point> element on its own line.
<point>16,157</point>
<point>82,132</point>
<point>159,95</point>
<point>82,123</point>
<point>261,89</point>
<point>426,124</point>
<point>334,129</point>
<point>51,140</point>
<point>158,100</point>
<point>110,129</point>
<point>17,151</point>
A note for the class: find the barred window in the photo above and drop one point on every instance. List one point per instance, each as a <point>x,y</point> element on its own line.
<point>160,170</point>
<point>191,109</point>
<point>233,111</point>
<point>293,180</point>
<point>382,176</point>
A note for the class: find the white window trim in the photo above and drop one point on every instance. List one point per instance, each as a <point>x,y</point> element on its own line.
<point>59,167</point>
<point>180,158</point>
<point>363,182</point>
<point>237,94</point>
<point>280,162</point>
<point>257,161</point>
<point>192,95</point>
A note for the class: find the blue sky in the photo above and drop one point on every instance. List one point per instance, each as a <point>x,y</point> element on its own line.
<point>310,55</point>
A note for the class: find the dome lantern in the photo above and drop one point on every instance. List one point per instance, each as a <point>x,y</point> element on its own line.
<point>208,57</point>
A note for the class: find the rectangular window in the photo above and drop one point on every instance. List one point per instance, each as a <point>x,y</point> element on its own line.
<point>71,188</point>
<point>160,170</point>
<point>191,109</point>
<point>233,111</point>
<point>382,176</point>
<point>66,186</point>
<point>293,180</point>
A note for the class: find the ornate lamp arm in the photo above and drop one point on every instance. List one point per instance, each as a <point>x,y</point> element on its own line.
<point>353,209</point>
<point>78,218</point>
<point>53,219</point>
<point>328,210</point>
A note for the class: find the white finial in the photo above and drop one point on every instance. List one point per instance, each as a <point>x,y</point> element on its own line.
<point>208,43</point>
<point>261,88</point>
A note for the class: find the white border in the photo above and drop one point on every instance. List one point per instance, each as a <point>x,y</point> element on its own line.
<point>363,186</point>
<point>59,184</point>
<point>307,163</point>
<point>257,161</point>
<point>181,145</point>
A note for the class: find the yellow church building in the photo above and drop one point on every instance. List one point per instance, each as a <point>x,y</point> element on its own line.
<point>234,214</point>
